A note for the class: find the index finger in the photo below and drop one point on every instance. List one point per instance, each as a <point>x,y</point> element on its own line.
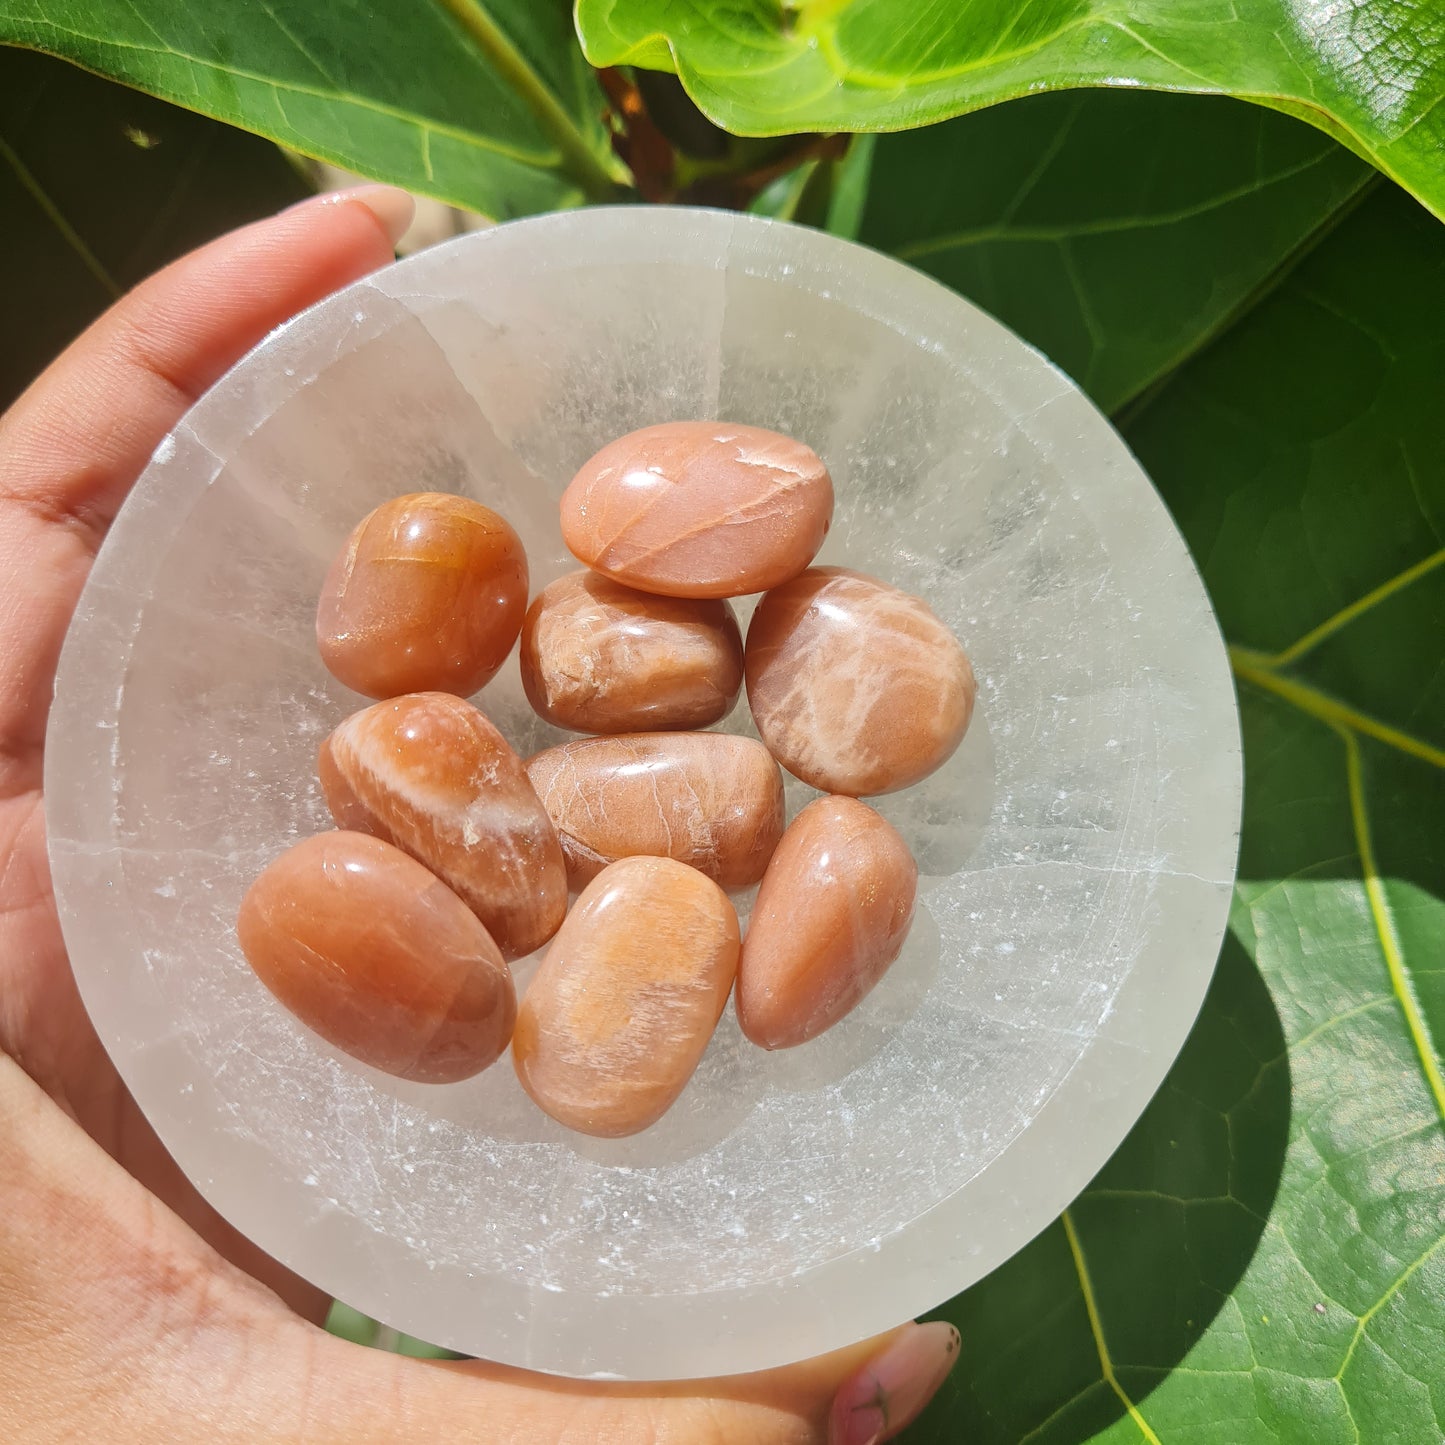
<point>72,446</point>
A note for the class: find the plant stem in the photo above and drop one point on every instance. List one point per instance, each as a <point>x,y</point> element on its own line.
<point>578,159</point>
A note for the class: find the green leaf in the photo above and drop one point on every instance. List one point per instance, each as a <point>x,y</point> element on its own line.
<point>1371,73</point>
<point>100,186</point>
<point>1264,1258</point>
<point>488,106</point>
<point>350,1324</point>
<point>1116,231</point>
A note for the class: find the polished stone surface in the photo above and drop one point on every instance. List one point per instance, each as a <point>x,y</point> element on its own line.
<point>427,592</point>
<point>429,773</point>
<point>710,800</point>
<point>699,509</point>
<point>380,958</point>
<point>855,686</point>
<point>618,1015</point>
<point>599,657</point>
<point>830,917</point>
<point>1074,854</point>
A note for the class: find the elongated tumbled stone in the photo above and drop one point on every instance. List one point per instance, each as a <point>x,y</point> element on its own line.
<point>427,593</point>
<point>699,509</point>
<point>603,658</point>
<point>711,800</point>
<point>379,957</point>
<point>856,686</point>
<point>622,1008</point>
<point>830,918</point>
<point>429,773</point>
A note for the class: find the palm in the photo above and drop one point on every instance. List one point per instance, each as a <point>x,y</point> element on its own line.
<point>43,1023</point>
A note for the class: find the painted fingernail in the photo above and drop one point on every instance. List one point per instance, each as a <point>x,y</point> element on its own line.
<point>391,206</point>
<point>889,1392</point>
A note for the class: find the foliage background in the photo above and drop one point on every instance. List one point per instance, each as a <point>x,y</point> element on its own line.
<point>1253,287</point>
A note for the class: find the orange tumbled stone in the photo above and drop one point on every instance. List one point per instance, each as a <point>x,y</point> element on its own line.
<point>427,594</point>
<point>622,1008</point>
<point>380,958</point>
<point>603,658</point>
<point>711,800</point>
<point>833,911</point>
<point>699,509</point>
<point>856,686</point>
<point>430,774</point>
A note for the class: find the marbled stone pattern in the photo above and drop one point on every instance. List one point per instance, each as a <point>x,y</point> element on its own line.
<point>622,1008</point>
<point>428,592</point>
<point>379,957</point>
<point>699,509</point>
<point>830,917</point>
<point>856,686</point>
<point>711,800</point>
<point>599,657</point>
<point>429,773</point>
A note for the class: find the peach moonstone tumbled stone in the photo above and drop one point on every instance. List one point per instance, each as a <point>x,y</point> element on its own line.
<point>603,658</point>
<point>833,911</point>
<point>623,1006</point>
<point>427,593</point>
<point>712,800</point>
<point>430,773</point>
<point>856,686</point>
<point>699,509</point>
<point>379,957</point>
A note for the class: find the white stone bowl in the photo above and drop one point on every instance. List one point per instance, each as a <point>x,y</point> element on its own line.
<point>1076,855</point>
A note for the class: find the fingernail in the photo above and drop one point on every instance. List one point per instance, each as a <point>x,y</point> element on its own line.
<point>392,206</point>
<point>890,1391</point>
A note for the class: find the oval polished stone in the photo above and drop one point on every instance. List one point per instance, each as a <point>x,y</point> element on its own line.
<point>380,958</point>
<point>711,800</point>
<point>429,773</point>
<point>603,658</point>
<point>427,594</point>
<point>834,908</point>
<point>622,1008</point>
<point>856,686</point>
<point>699,509</point>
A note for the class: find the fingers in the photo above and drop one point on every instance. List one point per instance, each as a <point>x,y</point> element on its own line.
<point>76,440</point>
<point>120,1324</point>
<point>861,1395</point>
<point>74,443</point>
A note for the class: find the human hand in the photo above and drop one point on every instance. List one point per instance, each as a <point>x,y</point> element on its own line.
<point>129,1310</point>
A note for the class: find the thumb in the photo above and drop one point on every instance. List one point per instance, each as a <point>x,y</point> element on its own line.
<point>122,1324</point>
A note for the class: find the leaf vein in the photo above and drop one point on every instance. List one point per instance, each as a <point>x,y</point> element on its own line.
<point>1394,1288</point>
<point>542,160</point>
<point>1385,928</point>
<point>1254,667</point>
<point>1112,226</point>
<point>1096,1326</point>
<point>1358,608</point>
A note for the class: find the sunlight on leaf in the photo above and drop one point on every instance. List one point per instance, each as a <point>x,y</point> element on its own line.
<point>1371,74</point>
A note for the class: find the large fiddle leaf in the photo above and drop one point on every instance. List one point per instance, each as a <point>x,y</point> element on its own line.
<point>489,105</point>
<point>1115,231</point>
<point>1264,1258</point>
<point>1370,73</point>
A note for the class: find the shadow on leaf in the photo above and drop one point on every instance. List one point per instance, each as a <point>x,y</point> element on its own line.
<point>1156,1243</point>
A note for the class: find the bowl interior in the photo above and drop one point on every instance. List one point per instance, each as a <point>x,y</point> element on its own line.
<point>1075,854</point>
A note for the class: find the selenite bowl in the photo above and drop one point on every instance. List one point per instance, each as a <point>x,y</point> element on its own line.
<point>1075,855</point>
